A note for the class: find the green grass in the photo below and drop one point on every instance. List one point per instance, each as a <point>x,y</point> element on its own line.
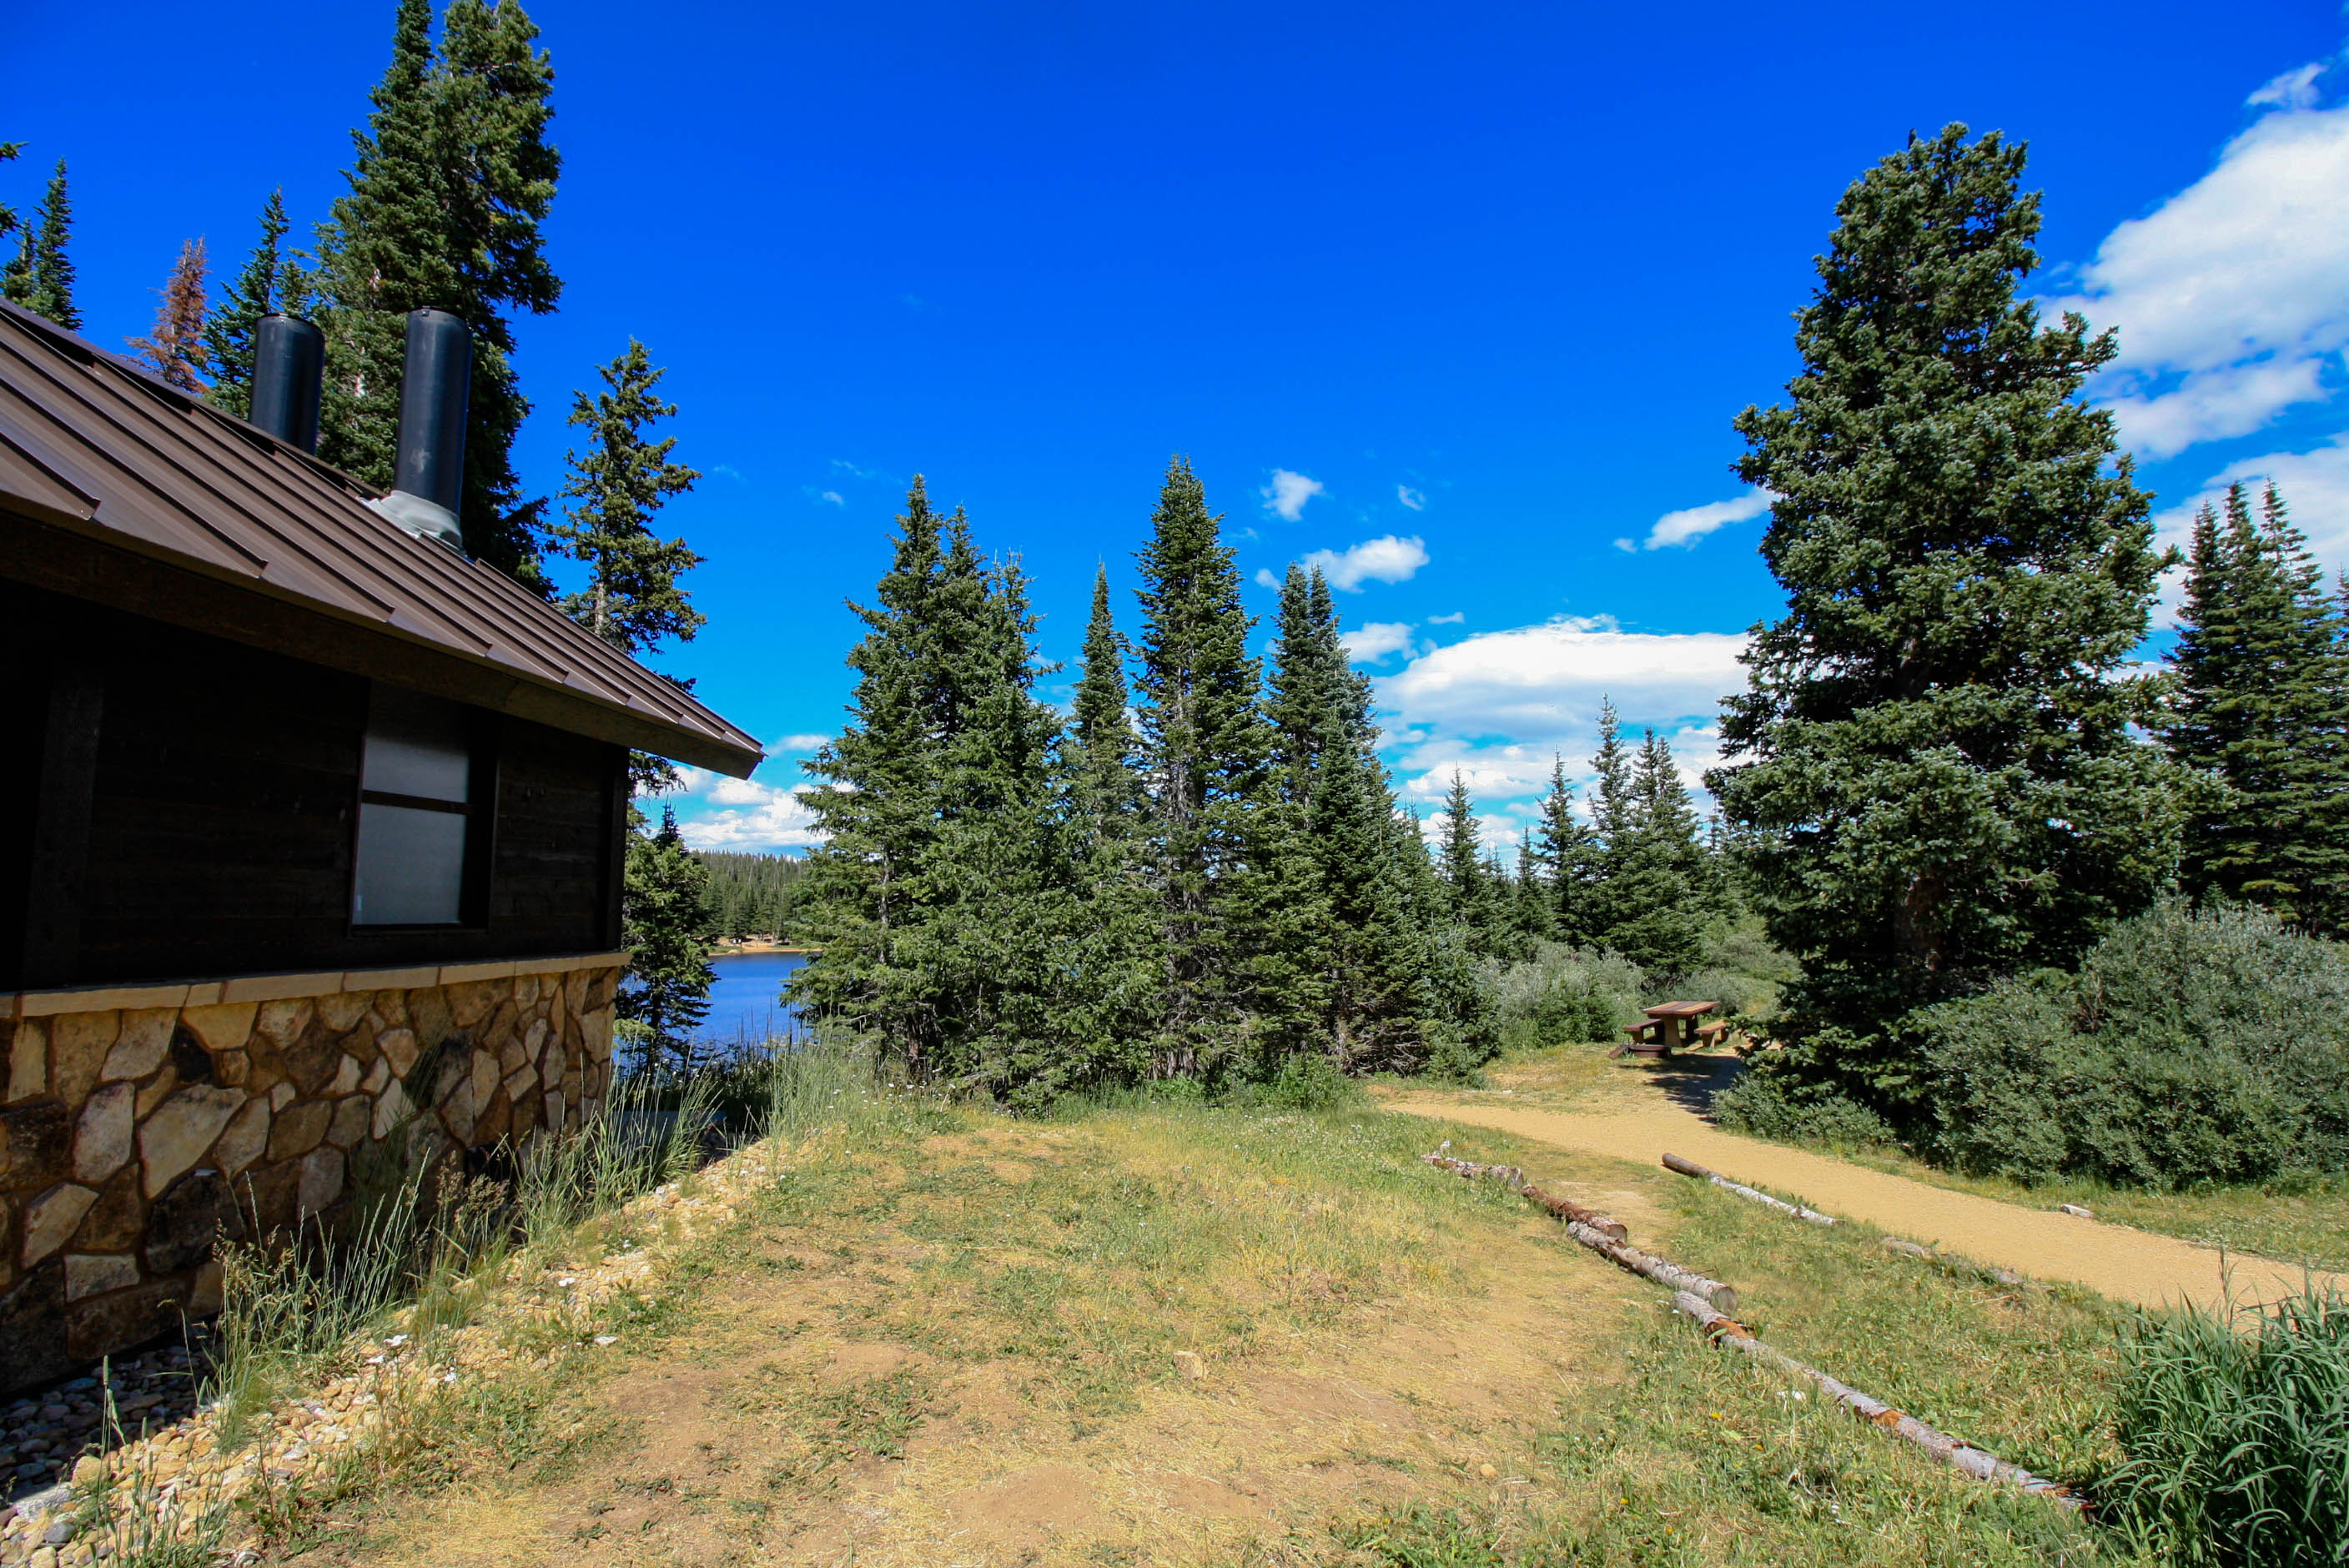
<point>1698,1456</point>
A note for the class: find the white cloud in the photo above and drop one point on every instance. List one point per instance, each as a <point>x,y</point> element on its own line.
<point>2294,89</point>
<point>833,497</point>
<point>750,816</point>
<point>1454,619</point>
<point>1266,579</point>
<point>1500,705</point>
<point>795,745</point>
<point>1374,640</point>
<point>1387,559</point>
<point>1286,496</point>
<point>1683,528</point>
<point>1415,499</point>
<point>2234,295</point>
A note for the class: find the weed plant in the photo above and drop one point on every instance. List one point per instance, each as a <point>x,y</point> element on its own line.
<point>2236,1435</point>
<point>297,1312</point>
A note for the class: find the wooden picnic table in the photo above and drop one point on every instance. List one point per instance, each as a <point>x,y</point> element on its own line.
<point>1665,1027</point>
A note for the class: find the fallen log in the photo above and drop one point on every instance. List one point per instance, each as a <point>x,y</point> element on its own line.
<point>1600,1234</point>
<point>1979,1463</point>
<point>1691,1168</point>
<point>1953,1263</point>
<point>1565,1209</point>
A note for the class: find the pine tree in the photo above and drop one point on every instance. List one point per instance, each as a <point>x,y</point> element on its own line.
<point>1205,752</point>
<point>12,286</point>
<point>1460,855</point>
<point>1532,905</point>
<point>176,350</point>
<point>1658,869</point>
<point>1934,753</point>
<point>1104,734</point>
<point>1614,809</point>
<point>632,599</point>
<point>452,177</point>
<point>271,282</point>
<point>41,277</point>
<point>1569,852</point>
<point>668,932</point>
<point>2260,708</point>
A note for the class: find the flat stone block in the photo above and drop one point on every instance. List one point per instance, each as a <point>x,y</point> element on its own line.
<point>28,1059</point>
<point>95,1273</point>
<point>181,1129</point>
<point>223,1027</point>
<point>322,1180</point>
<point>50,1220</point>
<point>391,979</point>
<point>459,974</point>
<point>102,1134</point>
<point>280,988</point>
<point>299,1128</point>
<point>78,1043</point>
<point>242,1141</point>
<point>399,1047</point>
<point>100,999</point>
<point>139,1048</point>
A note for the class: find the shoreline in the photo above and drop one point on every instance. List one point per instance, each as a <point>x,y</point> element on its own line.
<point>745,949</point>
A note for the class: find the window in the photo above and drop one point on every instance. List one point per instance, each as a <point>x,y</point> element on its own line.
<point>421,789</point>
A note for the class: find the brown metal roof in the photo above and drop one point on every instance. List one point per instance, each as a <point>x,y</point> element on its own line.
<point>120,485</point>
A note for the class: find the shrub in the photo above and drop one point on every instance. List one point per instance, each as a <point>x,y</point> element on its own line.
<point>2188,1048</point>
<point>1769,1106</point>
<point>1563,995</point>
<point>2236,1444</point>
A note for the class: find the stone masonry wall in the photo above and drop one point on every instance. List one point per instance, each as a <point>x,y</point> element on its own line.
<point>136,1126</point>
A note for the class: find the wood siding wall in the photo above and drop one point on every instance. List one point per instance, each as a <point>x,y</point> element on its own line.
<point>206,827</point>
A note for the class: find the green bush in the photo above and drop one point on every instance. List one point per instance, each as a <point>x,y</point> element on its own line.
<point>2236,1444</point>
<point>1771,1105</point>
<point>1307,1081</point>
<point>1563,995</point>
<point>2191,1048</point>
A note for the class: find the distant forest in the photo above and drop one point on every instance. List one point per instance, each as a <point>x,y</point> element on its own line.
<point>751,897</point>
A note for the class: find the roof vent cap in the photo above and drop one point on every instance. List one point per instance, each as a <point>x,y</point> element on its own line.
<point>429,476</point>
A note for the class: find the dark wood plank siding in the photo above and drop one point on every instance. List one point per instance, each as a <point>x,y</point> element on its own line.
<point>221,817</point>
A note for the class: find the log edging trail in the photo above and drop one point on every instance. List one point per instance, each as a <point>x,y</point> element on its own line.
<point>1586,1228</point>
<point>1979,1463</point>
<point>1691,1168</point>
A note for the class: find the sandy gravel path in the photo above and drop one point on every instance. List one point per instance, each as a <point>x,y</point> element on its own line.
<point>2126,1264</point>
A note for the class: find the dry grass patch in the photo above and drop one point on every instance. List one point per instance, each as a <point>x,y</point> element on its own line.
<point>981,1347</point>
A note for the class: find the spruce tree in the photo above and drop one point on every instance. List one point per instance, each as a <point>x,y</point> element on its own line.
<point>2260,708</point>
<point>1460,857</point>
<point>13,286</point>
<point>1613,814</point>
<point>452,177</point>
<point>175,350</point>
<point>271,282</point>
<point>632,599</point>
<point>1103,736</point>
<point>41,277</point>
<point>1533,906</point>
<point>1658,871</point>
<point>1205,752</point>
<point>1933,755</point>
<point>669,931</point>
<point>1568,852</point>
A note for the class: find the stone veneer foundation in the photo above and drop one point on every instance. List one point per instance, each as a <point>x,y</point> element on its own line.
<point>138,1125</point>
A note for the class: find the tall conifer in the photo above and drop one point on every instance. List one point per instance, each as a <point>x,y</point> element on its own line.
<point>1934,755</point>
<point>668,928</point>
<point>2259,706</point>
<point>616,487</point>
<point>41,277</point>
<point>452,177</point>
<point>1568,852</point>
<point>271,281</point>
<point>175,349</point>
<point>1205,752</point>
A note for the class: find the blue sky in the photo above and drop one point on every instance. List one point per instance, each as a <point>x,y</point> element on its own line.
<point>1463,298</point>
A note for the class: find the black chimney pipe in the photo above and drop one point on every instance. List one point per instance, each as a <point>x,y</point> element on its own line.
<point>289,360</point>
<point>433,393</point>
<point>428,480</point>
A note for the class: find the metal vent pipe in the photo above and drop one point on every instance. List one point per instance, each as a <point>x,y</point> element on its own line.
<point>429,472</point>
<point>289,361</point>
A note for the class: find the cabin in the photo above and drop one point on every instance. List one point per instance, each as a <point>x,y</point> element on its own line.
<point>311,836</point>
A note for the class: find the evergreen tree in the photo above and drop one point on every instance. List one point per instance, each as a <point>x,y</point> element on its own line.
<point>1934,754</point>
<point>13,286</point>
<point>1460,856</point>
<point>1532,905</point>
<point>1104,734</point>
<point>1658,888</point>
<point>272,281</point>
<point>667,928</point>
<point>176,350</point>
<point>452,177</point>
<point>1614,811</point>
<point>1204,752</point>
<point>632,599</point>
<point>2260,708</point>
<point>41,277</point>
<point>1568,850</point>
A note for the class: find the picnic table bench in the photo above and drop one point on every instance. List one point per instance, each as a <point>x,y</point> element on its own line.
<point>1667,1027</point>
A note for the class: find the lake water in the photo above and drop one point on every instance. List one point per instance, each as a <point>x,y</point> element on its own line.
<point>745,1001</point>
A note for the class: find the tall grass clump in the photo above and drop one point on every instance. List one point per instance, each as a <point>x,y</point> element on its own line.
<point>2236,1437</point>
<point>294,1310</point>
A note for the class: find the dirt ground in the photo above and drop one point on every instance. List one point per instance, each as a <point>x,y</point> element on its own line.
<point>859,1388</point>
<point>1644,1115</point>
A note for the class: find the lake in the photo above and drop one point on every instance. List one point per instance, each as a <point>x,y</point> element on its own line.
<point>744,1000</point>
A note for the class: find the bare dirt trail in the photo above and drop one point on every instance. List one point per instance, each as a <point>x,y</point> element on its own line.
<point>2126,1264</point>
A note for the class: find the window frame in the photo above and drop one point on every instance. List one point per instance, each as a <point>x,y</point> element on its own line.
<point>479,809</point>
